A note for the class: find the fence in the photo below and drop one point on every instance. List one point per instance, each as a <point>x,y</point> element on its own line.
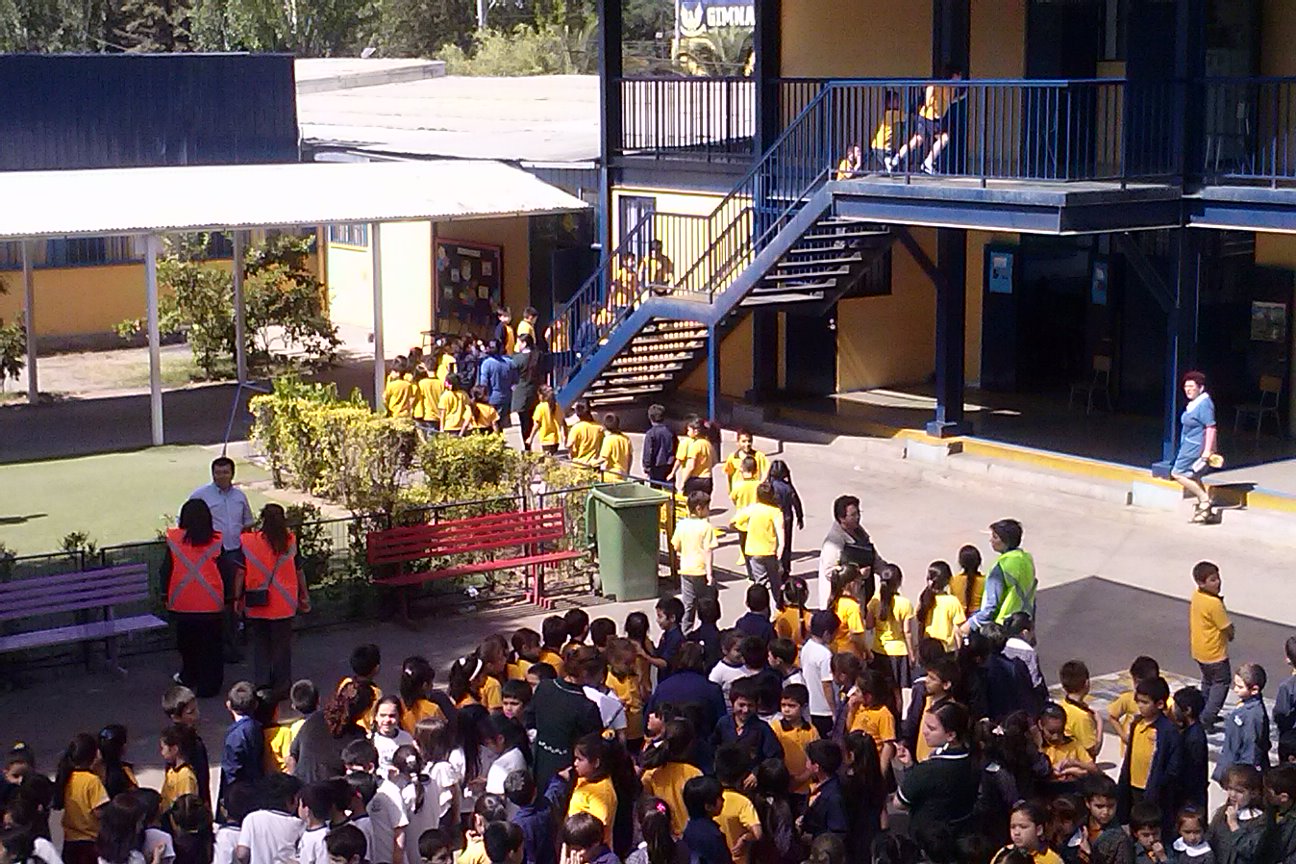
<point>1250,127</point>
<point>708,118</point>
<point>332,558</point>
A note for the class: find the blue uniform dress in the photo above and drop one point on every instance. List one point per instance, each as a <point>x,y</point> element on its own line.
<point>1199,414</point>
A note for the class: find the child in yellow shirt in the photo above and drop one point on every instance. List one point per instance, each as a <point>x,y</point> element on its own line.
<point>483,417</point>
<point>1123,710</point>
<point>400,392</point>
<point>694,542</point>
<point>593,792</point>
<point>427,406</point>
<point>585,440</point>
<point>742,492</point>
<point>940,613</point>
<point>547,423</point>
<point>1081,721</point>
<point>795,733</point>
<point>746,449</point>
<point>893,634</point>
<point>968,585</point>
<point>617,453</point>
<point>1069,759</point>
<point>452,408</point>
<point>176,743</point>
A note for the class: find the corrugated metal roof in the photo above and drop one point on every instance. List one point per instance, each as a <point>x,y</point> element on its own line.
<point>144,200</point>
<point>74,111</point>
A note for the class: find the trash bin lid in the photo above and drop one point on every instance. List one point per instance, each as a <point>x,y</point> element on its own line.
<point>618,495</point>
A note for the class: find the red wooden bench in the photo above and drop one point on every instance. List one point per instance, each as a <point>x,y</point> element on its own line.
<point>525,530</point>
<point>92,590</point>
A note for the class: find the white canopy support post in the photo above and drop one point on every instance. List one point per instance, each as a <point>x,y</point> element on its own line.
<point>151,243</point>
<point>240,310</point>
<point>29,322</point>
<point>380,361</point>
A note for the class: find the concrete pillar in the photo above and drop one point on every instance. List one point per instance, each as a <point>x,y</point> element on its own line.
<point>380,362</point>
<point>240,310</point>
<point>29,322</point>
<point>151,244</point>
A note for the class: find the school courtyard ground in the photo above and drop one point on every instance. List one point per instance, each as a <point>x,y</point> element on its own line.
<point>1114,580</point>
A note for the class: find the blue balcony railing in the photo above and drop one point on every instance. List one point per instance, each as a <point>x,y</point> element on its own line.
<point>1250,128</point>
<point>1030,130</point>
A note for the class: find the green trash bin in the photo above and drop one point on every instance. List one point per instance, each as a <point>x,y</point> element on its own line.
<point>621,519</point>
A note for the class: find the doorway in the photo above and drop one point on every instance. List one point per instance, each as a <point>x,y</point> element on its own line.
<point>810,355</point>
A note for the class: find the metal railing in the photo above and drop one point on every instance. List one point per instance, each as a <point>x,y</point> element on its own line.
<point>1250,129</point>
<point>712,119</point>
<point>690,256</point>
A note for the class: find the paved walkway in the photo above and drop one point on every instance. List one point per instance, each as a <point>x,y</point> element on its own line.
<point>1113,582</point>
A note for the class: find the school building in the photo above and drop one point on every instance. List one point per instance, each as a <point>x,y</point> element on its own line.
<point>1101,198</point>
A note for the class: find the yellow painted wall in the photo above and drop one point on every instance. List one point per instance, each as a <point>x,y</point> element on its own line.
<point>883,341</point>
<point>998,39</point>
<point>735,365</point>
<point>72,301</point>
<point>407,285</point>
<point>1277,36</point>
<point>857,38</point>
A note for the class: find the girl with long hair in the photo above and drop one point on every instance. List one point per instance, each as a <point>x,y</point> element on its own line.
<point>117,774</point>
<point>893,634</point>
<point>419,795</point>
<point>435,738</point>
<point>79,793</point>
<point>939,612</point>
<point>547,423</point>
<point>865,789</point>
<point>416,679</point>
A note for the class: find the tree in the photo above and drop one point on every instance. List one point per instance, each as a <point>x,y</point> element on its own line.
<point>421,28</point>
<point>721,51</point>
<point>307,28</point>
<point>153,26</point>
<point>13,346</point>
<point>642,20</point>
<point>285,304</point>
<point>51,26</point>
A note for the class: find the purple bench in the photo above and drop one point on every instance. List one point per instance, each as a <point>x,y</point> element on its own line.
<point>93,590</point>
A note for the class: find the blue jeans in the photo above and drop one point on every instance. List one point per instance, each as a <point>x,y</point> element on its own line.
<point>1215,682</point>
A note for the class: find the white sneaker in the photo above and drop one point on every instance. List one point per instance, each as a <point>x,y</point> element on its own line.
<point>928,169</point>
<point>888,163</point>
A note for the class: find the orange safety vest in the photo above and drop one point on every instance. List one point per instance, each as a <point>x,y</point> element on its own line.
<point>196,584</point>
<point>278,574</point>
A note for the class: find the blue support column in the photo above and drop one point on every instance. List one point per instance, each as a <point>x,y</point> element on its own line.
<point>951,300</point>
<point>1181,340</point>
<point>713,374</point>
<point>610,70</point>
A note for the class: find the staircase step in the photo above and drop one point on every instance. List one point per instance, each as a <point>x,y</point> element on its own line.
<point>820,262</point>
<point>657,343</point>
<point>811,274</point>
<point>665,372</point>
<point>818,250</point>
<point>816,233</point>
<point>621,392</point>
<point>785,298</point>
<point>784,288</point>
<point>624,359</point>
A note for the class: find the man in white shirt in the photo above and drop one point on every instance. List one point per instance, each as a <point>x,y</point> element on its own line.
<point>231,516</point>
<point>816,665</point>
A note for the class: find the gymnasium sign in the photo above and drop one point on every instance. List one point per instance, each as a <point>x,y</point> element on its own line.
<point>695,17</point>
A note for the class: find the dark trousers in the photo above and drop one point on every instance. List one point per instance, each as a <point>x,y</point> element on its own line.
<point>229,563</point>
<point>698,484</point>
<point>1216,680</point>
<point>525,420</point>
<point>504,409</point>
<point>271,653</point>
<point>198,636</point>
<point>79,852</point>
<point>657,474</point>
<point>823,724</point>
<point>785,558</point>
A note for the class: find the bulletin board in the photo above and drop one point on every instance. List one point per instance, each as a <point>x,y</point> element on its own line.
<point>469,283</point>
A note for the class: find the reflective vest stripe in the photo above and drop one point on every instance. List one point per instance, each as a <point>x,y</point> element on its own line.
<point>198,572</point>
<point>272,575</point>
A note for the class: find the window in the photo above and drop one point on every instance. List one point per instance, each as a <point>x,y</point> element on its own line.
<point>350,234</point>
<point>83,251</point>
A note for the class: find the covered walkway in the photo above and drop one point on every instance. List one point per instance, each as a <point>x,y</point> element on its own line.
<point>236,198</point>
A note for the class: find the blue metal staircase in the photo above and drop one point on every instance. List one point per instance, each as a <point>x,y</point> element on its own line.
<point>630,332</point>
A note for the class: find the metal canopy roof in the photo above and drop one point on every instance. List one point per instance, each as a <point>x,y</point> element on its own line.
<point>118,201</point>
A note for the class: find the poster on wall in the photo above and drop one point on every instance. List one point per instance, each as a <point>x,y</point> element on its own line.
<point>1268,322</point>
<point>469,284</point>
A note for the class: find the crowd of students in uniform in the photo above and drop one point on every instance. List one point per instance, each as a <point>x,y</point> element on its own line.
<point>871,729</point>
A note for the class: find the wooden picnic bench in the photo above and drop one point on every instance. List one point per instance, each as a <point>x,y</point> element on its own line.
<point>527,530</point>
<point>28,600</point>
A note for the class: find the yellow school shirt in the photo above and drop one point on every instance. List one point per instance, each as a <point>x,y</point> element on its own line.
<point>693,539</point>
<point>491,693</point>
<point>398,396</point>
<point>1081,724</point>
<point>509,339</point>
<point>180,781</point>
<point>742,491</point>
<point>474,852</point>
<point>553,658</point>
<point>1123,708</point>
<point>733,465</point>
<point>884,135</point>
<point>844,171</point>
<point>584,442</point>
<point>936,102</point>
<point>445,366</point>
<point>1039,856</point>
<point>526,328</point>
<point>888,634</point>
<point>1058,753</point>
<point>667,783</point>
<point>627,690</point>
<point>737,817</point>
<point>83,793</point>
<point>517,671</point>
<point>946,617</point>
<point>762,523</point>
<point>421,708</point>
<point>484,415</point>
<point>1207,622</point>
<point>921,748</point>
<point>878,722</point>
<point>851,622</point>
<point>598,799</point>
<point>958,587</point>
<point>548,423</point>
<point>278,741</point>
<point>700,452</point>
<point>454,408</point>
<point>794,743</point>
<point>617,454</point>
<point>430,390</point>
<point>1142,746</point>
<point>791,623</point>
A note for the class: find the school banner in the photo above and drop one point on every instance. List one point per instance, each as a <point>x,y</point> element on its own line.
<point>693,18</point>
